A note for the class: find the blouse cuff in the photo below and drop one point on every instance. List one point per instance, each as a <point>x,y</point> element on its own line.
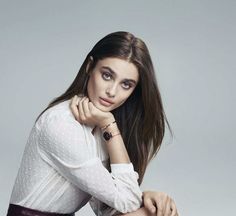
<point>122,168</point>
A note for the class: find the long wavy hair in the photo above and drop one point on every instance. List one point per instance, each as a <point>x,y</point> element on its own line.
<point>141,119</point>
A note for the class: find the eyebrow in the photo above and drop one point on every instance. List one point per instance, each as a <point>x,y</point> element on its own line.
<point>114,73</point>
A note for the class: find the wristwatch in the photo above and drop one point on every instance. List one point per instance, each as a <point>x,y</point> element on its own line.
<point>108,135</point>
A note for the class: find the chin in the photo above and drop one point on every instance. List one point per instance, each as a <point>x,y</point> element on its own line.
<point>103,108</point>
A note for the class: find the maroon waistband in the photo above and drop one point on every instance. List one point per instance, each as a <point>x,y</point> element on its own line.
<point>16,210</point>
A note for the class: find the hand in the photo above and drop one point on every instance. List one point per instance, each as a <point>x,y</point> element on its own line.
<point>140,212</point>
<point>159,203</point>
<point>86,113</point>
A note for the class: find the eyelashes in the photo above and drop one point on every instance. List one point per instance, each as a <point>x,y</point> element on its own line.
<point>126,85</point>
<point>108,76</point>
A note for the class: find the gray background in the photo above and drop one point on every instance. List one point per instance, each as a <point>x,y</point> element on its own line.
<point>192,43</point>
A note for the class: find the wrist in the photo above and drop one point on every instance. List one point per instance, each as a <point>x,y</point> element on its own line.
<point>109,126</point>
<point>107,122</point>
<point>108,135</point>
<point>109,131</point>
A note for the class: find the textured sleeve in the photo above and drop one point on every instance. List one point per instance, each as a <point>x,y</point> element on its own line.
<point>65,145</point>
<point>101,209</point>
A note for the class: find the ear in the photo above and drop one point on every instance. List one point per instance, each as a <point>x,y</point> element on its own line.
<point>89,64</point>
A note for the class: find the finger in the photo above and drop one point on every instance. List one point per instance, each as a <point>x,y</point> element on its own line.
<point>160,211</point>
<point>73,107</point>
<point>81,110</point>
<point>73,101</point>
<point>149,205</point>
<point>167,211</point>
<point>174,209</point>
<point>86,107</point>
<point>93,109</point>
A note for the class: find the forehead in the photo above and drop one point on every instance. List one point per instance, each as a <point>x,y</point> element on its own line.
<point>122,68</point>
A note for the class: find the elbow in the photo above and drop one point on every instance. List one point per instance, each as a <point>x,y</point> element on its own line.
<point>128,203</point>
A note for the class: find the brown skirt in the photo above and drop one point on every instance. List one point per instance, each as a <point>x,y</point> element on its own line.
<point>16,210</point>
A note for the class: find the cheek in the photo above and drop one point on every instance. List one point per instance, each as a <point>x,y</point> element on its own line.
<point>122,99</point>
<point>95,88</point>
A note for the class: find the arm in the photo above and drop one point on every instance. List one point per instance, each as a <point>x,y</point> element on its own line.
<point>86,113</point>
<point>152,201</point>
<point>155,203</point>
<point>140,212</point>
<point>65,145</point>
<point>98,209</point>
<point>115,146</point>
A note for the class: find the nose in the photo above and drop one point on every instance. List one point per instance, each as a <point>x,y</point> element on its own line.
<point>111,90</point>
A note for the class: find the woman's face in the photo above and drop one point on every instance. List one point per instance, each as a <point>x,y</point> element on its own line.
<point>111,82</point>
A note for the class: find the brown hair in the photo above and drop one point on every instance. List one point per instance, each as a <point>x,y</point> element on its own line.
<point>141,119</point>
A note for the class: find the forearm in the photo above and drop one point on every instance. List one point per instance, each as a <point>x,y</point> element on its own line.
<point>140,212</point>
<point>116,147</point>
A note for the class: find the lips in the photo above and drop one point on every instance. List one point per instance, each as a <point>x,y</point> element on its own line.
<point>105,101</point>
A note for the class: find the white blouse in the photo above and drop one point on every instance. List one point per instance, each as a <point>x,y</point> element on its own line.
<point>64,166</point>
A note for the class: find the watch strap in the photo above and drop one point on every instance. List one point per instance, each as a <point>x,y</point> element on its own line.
<point>107,135</point>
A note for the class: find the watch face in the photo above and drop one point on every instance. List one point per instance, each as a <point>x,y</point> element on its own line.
<point>107,135</point>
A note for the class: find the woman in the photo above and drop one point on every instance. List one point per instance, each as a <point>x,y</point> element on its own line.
<point>93,143</point>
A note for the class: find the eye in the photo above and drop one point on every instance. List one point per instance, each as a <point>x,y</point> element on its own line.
<point>106,76</point>
<point>126,85</point>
